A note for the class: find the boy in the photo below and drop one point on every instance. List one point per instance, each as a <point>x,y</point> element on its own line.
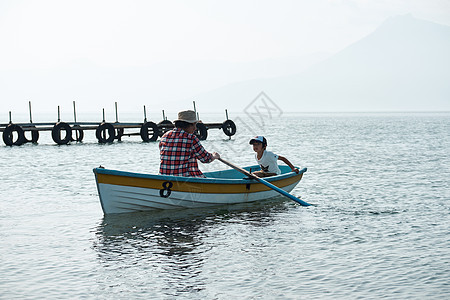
<point>266,159</point>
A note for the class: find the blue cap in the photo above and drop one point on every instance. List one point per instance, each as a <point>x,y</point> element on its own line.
<point>258,139</point>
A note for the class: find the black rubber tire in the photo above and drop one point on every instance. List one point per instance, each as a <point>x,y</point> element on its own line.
<point>145,132</point>
<point>34,135</point>
<point>165,126</point>
<point>8,135</point>
<point>229,128</point>
<point>165,122</point>
<point>101,131</point>
<point>56,133</point>
<point>77,128</point>
<point>201,132</point>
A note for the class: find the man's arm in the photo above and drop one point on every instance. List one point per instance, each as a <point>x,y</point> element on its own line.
<point>201,154</point>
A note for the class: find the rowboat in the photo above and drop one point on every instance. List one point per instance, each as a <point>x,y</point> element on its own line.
<point>124,192</point>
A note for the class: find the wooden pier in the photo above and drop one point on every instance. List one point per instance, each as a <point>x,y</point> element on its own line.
<point>66,132</point>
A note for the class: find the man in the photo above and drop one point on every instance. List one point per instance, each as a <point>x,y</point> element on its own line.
<point>180,148</point>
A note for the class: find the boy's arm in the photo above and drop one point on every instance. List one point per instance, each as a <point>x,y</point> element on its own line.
<point>286,161</point>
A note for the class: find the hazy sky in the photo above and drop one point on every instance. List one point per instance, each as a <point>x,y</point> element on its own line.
<point>52,33</point>
<point>54,52</point>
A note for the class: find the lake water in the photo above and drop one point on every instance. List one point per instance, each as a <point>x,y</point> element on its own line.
<point>380,228</point>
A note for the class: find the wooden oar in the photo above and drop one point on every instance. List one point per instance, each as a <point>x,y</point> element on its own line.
<point>268,184</point>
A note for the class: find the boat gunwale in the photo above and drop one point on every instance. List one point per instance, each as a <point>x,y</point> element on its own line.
<point>198,179</point>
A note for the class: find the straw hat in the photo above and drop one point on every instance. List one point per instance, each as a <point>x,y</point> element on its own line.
<point>188,116</point>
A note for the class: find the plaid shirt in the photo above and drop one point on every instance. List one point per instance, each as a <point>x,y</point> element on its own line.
<point>179,152</point>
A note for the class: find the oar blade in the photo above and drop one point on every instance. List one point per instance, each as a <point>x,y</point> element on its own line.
<point>283,192</point>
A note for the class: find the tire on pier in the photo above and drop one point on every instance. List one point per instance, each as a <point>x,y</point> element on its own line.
<point>229,128</point>
<point>201,132</point>
<point>34,135</point>
<point>105,133</point>
<point>56,133</point>
<point>164,126</point>
<point>166,122</point>
<point>149,132</point>
<point>79,133</point>
<point>8,136</point>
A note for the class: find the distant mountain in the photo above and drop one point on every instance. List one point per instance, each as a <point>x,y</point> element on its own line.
<point>403,66</point>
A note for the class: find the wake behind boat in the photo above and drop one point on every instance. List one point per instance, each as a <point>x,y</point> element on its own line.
<point>122,192</point>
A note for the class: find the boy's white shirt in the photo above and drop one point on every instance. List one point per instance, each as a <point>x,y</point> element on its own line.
<point>268,162</point>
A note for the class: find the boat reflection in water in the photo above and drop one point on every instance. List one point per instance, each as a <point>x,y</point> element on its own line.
<point>173,251</point>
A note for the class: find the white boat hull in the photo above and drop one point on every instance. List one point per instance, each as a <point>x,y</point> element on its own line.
<point>124,199</point>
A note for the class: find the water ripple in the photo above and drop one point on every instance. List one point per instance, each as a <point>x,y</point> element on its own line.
<point>379,230</point>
